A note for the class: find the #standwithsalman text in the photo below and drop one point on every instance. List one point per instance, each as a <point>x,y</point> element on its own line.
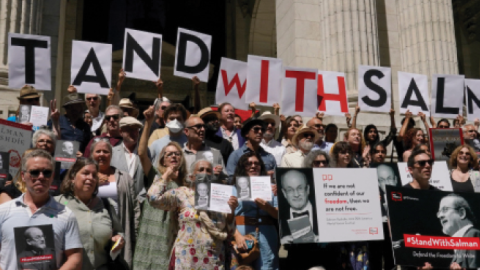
<point>437,242</point>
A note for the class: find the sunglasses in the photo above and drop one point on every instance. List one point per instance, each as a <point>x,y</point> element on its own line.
<point>258,129</point>
<point>92,98</point>
<point>318,126</point>
<point>36,173</point>
<point>254,163</point>
<point>442,126</point>
<point>422,163</point>
<point>318,162</point>
<point>30,100</point>
<point>197,127</point>
<point>115,116</point>
<point>308,135</point>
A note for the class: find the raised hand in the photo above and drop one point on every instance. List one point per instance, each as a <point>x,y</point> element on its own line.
<point>408,114</point>
<point>121,76</point>
<point>54,113</point>
<point>423,117</point>
<point>110,94</point>
<point>252,106</point>
<point>320,115</point>
<point>357,109</point>
<point>71,89</point>
<point>392,112</point>
<point>149,114</point>
<point>159,84</point>
<point>233,203</point>
<point>195,81</point>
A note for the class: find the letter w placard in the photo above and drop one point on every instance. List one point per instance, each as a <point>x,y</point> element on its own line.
<point>232,83</point>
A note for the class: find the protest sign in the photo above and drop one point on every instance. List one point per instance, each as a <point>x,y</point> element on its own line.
<point>413,93</point>
<point>299,93</point>
<point>57,180</point>
<point>192,54</point>
<point>213,156</point>
<point>447,95</point>
<point>29,61</point>
<point>251,187</point>
<point>66,153</point>
<point>388,175</point>
<point>15,139</point>
<point>91,70</point>
<point>440,177</point>
<point>434,227</point>
<point>264,80</point>
<point>232,83</point>
<point>4,168</point>
<point>443,141</point>
<point>374,88</point>
<point>348,204</point>
<point>332,93</point>
<point>142,55</point>
<point>213,197</point>
<point>39,116</point>
<point>24,114</point>
<point>472,92</point>
<point>35,247</point>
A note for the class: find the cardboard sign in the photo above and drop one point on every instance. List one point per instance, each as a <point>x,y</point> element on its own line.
<point>332,95</point>
<point>443,142</point>
<point>66,153</point>
<point>447,95</point>
<point>413,93</point>
<point>15,139</point>
<point>264,78</point>
<point>299,94</point>
<point>232,83</point>
<point>472,92</point>
<point>142,53</point>
<point>29,61</point>
<point>440,175</point>
<point>39,116</point>
<point>91,70</point>
<point>374,88</point>
<point>192,54</point>
<point>35,247</point>
<point>213,197</point>
<point>251,187</point>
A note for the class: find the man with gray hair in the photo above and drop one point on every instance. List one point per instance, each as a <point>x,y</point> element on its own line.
<point>93,104</point>
<point>35,208</point>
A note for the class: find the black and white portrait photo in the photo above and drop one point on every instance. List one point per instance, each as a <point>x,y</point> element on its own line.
<point>417,213</point>
<point>24,114</point>
<point>296,203</point>
<point>66,152</point>
<point>388,175</point>
<point>202,195</point>
<point>4,161</point>
<point>243,187</point>
<point>35,247</point>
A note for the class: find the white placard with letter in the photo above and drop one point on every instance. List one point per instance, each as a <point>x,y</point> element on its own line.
<point>264,80</point>
<point>332,93</point>
<point>413,93</point>
<point>374,88</point>
<point>192,57</point>
<point>299,94</point>
<point>142,53</point>
<point>232,83</point>
<point>447,95</point>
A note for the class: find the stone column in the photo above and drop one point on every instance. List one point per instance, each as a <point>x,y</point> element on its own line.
<point>349,37</point>
<point>427,36</point>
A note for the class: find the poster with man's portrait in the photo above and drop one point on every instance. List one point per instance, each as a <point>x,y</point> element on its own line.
<point>296,205</point>
<point>66,153</point>
<point>24,114</point>
<point>435,228</point>
<point>35,247</point>
<point>202,195</point>
<point>388,175</point>
<point>443,141</point>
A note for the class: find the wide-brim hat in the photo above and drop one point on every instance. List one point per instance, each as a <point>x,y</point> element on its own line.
<point>249,123</point>
<point>303,130</point>
<point>129,121</point>
<point>28,92</point>
<point>268,115</point>
<point>126,103</point>
<point>208,111</point>
<point>71,99</point>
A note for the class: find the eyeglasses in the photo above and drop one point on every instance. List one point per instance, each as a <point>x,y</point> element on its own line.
<point>209,119</point>
<point>443,126</point>
<point>163,108</point>
<point>31,100</point>
<point>197,127</point>
<point>254,163</point>
<point>319,126</point>
<point>299,190</point>
<point>308,135</point>
<point>422,163</point>
<point>318,162</point>
<point>170,154</point>
<point>36,173</point>
<point>444,210</point>
<point>258,129</point>
<point>92,98</point>
<point>45,141</point>
<point>114,116</point>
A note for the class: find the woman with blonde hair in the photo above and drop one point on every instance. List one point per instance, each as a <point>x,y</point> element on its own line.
<point>289,130</point>
<point>361,153</point>
<point>462,175</point>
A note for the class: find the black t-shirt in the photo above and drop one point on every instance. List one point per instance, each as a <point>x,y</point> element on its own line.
<point>466,186</point>
<point>429,188</point>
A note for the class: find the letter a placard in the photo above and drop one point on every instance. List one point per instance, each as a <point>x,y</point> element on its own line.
<point>29,61</point>
<point>447,95</point>
<point>374,88</point>
<point>413,93</point>
<point>232,83</point>
<point>193,54</point>
<point>332,93</point>
<point>91,70</point>
<point>264,78</point>
<point>299,91</point>
<point>142,55</point>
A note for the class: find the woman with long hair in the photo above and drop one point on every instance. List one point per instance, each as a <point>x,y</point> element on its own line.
<point>316,159</point>
<point>227,129</point>
<point>462,175</point>
<point>361,157</point>
<point>289,130</point>
<point>413,137</point>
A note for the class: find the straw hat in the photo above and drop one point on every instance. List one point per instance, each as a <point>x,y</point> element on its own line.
<point>299,134</point>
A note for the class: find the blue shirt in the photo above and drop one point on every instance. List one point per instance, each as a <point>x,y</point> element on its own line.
<point>81,133</point>
<point>14,119</point>
<point>268,159</point>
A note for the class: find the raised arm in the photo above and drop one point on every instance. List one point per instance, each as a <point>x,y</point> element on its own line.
<point>252,106</point>
<point>403,130</point>
<point>423,117</point>
<point>354,120</point>
<point>196,86</point>
<point>159,85</point>
<point>276,109</point>
<point>143,145</point>
<point>432,122</point>
<point>55,116</point>
<point>476,123</point>
<point>393,129</point>
<point>121,78</point>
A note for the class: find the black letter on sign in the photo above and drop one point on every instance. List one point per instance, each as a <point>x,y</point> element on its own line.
<point>470,99</point>
<point>182,52</point>
<point>408,97</point>
<point>99,77</point>
<point>440,94</point>
<point>367,78</point>
<point>30,45</point>
<point>133,46</point>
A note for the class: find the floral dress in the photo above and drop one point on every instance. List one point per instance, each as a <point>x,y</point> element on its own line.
<point>194,248</point>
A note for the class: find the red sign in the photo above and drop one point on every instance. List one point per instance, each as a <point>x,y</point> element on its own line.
<point>36,258</point>
<point>441,242</point>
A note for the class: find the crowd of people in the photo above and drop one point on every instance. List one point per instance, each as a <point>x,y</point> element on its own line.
<point>132,187</point>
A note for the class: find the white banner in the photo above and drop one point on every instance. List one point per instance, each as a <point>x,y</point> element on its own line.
<point>264,77</point>
<point>332,93</point>
<point>472,90</point>
<point>142,53</point>
<point>232,83</point>
<point>374,88</point>
<point>413,93</point>
<point>192,56</point>
<point>15,139</point>
<point>299,93</point>
<point>91,70</point>
<point>348,205</point>
<point>447,95</point>
<point>39,116</point>
<point>440,175</point>
<point>29,61</point>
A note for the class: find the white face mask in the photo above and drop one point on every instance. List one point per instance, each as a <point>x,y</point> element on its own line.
<point>174,126</point>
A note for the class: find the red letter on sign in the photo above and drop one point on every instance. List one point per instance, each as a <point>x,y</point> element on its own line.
<point>264,81</point>
<point>301,76</point>
<point>235,81</point>
<point>340,97</point>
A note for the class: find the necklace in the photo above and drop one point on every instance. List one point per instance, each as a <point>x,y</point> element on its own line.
<point>103,178</point>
